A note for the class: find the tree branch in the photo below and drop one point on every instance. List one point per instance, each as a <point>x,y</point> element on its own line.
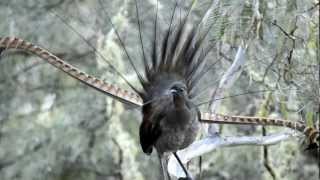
<point>226,82</point>
<point>210,144</point>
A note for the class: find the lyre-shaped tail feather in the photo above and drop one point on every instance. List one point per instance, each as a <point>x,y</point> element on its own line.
<point>312,134</point>
<point>107,88</point>
<point>131,98</point>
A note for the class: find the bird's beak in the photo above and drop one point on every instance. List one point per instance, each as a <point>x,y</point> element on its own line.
<point>173,91</point>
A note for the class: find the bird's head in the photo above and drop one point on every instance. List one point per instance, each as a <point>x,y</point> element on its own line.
<point>179,93</point>
<point>178,90</point>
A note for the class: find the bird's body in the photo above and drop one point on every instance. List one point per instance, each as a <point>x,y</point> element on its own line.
<point>170,120</point>
<point>179,129</point>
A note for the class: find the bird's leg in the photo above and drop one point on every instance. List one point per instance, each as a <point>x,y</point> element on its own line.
<point>164,167</point>
<point>200,167</point>
<point>188,177</point>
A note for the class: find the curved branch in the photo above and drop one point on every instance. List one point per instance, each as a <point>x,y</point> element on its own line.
<point>210,144</point>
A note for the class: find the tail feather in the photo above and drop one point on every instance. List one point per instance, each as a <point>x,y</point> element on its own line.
<point>122,44</point>
<point>100,85</point>
<point>312,138</point>
<point>166,41</point>
<point>311,134</point>
<point>174,44</point>
<point>146,65</point>
<point>95,51</point>
<point>180,55</point>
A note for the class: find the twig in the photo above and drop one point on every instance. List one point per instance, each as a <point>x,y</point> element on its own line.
<point>266,158</point>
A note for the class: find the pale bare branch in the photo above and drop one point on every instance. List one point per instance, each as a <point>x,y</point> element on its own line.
<point>210,144</point>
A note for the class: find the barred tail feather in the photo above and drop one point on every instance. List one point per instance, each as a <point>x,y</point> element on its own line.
<point>311,134</point>
<point>109,89</point>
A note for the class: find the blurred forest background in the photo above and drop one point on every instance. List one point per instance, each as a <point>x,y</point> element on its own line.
<point>55,128</point>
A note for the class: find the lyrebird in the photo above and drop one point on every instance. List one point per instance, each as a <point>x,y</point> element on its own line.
<point>170,116</point>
